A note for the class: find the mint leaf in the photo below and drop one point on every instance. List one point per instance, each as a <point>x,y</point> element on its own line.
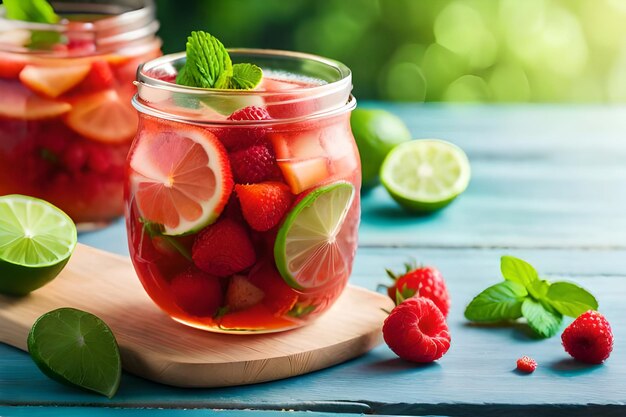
<point>38,11</point>
<point>208,64</point>
<point>155,230</point>
<point>543,319</point>
<point>570,300</point>
<point>516,270</point>
<point>538,289</point>
<point>245,76</point>
<point>499,302</point>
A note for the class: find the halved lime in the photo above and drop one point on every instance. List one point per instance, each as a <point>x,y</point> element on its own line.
<point>36,241</point>
<point>310,248</point>
<point>425,175</point>
<point>76,348</point>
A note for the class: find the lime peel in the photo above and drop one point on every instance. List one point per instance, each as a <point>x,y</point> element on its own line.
<point>36,242</point>
<point>76,348</point>
<point>310,235</point>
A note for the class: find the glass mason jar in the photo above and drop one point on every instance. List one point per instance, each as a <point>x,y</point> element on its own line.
<point>242,207</point>
<point>66,121</point>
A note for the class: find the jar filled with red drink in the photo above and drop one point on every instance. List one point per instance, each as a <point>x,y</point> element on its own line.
<point>243,205</point>
<point>66,121</point>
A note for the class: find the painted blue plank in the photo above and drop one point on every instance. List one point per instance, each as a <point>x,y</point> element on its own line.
<point>541,176</point>
<point>149,412</point>
<point>475,376</point>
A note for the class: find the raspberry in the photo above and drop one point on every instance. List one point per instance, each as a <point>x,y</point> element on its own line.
<point>196,292</point>
<point>526,364</point>
<point>223,249</point>
<point>589,338</point>
<point>254,164</point>
<point>264,205</point>
<point>425,282</point>
<point>241,137</point>
<point>417,331</point>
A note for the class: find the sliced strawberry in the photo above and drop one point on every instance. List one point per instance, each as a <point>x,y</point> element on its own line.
<point>53,81</point>
<point>264,205</point>
<point>197,292</point>
<point>280,298</point>
<point>103,117</point>
<point>21,103</point>
<point>254,164</point>
<point>11,65</point>
<point>305,174</point>
<point>223,249</point>
<point>100,77</point>
<point>242,294</point>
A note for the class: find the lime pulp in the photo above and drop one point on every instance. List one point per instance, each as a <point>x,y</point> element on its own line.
<point>78,349</point>
<point>36,241</point>
<point>425,175</point>
<point>309,249</point>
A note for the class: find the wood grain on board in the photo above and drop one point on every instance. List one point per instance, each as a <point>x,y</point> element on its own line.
<point>157,348</point>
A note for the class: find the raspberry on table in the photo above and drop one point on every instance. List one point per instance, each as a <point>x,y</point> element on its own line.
<point>589,338</point>
<point>526,364</point>
<point>417,331</point>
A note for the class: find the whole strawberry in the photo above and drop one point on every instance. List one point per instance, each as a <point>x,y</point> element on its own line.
<point>264,205</point>
<point>589,338</point>
<point>197,292</point>
<point>416,331</point>
<point>223,248</point>
<point>425,281</point>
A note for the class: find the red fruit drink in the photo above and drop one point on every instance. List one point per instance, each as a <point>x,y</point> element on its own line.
<point>242,207</point>
<point>66,121</point>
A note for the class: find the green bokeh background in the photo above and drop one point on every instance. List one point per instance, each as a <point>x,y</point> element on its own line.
<point>433,50</point>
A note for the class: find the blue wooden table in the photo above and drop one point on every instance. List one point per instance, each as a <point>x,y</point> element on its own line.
<point>548,185</point>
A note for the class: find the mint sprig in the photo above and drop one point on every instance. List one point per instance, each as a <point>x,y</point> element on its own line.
<point>524,294</point>
<point>208,65</point>
<point>38,11</point>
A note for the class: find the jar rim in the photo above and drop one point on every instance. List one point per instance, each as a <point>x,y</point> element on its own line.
<point>144,78</point>
<point>326,99</point>
<point>132,24</point>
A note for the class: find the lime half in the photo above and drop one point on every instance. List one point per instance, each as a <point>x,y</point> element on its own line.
<point>36,241</point>
<point>310,248</point>
<point>425,175</point>
<point>76,348</point>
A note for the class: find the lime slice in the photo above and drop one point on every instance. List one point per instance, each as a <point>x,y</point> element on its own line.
<point>425,175</point>
<point>36,241</point>
<point>76,348</point>
<point>376,133</point>
<point>310,248</point>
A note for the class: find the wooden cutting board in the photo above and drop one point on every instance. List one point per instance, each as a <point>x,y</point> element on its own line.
<point>157,348</point>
